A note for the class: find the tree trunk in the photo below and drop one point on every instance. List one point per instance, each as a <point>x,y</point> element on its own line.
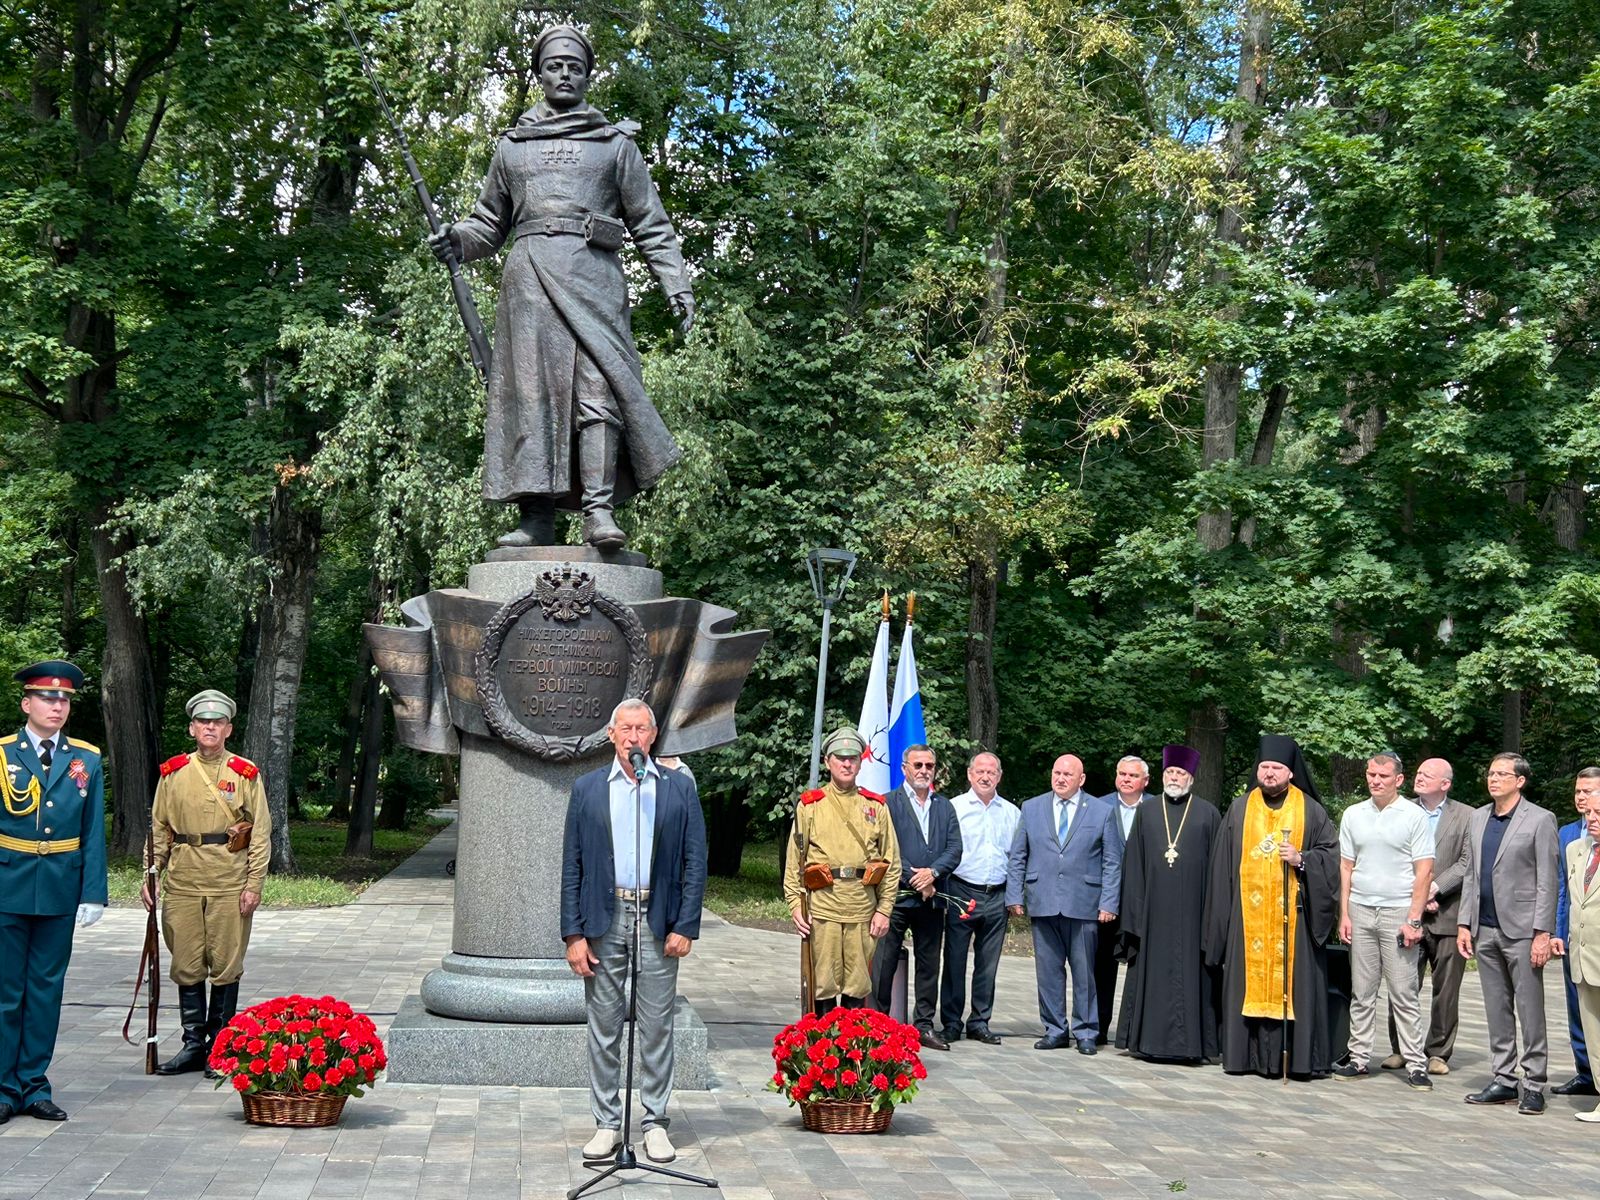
<point>1266,444</point>
<point>1208,734</point>
<point>127,699</point>
<point>344,775</point>
<point>983,697</point>
<point>295,536</point>
<point>358,839</point>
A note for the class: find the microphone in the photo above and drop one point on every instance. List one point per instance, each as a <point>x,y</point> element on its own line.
<point>636,760</point>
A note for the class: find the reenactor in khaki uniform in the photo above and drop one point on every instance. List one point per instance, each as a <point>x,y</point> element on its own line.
<point>212,838</point>
<point>842,839</point>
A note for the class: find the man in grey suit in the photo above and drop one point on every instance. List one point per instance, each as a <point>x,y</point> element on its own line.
<point>1449,820</point>
<point>1066,866</point>
<point>1508,910</point>
<point>925,825</point>
<point>631,834</point>
<point>1133,776</point>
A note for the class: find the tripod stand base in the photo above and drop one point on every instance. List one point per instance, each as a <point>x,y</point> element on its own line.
<point>627,1160</point>
<point>424,1048</point>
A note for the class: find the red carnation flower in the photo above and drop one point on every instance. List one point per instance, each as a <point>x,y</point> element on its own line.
<point>256,1046</point>
<point>880,1081</point>
<point>855,1054</point>
<point>313,1082</point>
<point>368,1061</point>
<point>317,1057</point>
<point>241,1083</point>
<point>919,1071</point>
<point>849,1078</point>
<point>257,1066</point>
<point>902,1081</point>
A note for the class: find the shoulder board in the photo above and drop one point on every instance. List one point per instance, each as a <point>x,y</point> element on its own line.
<point>90,746</point>
<point>812,796</point>
<point>243,767</point>
<point>9,741</point>
<point>176,763</point>
<point>872,795</point>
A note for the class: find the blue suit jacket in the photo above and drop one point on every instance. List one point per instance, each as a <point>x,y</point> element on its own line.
<point>1565,836</point>
<point>1081,879</point>
<point>677,859</point>
<point>942,849</point>
<point>53,885</point>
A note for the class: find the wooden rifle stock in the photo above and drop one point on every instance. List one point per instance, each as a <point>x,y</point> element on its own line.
<point>808,982</point>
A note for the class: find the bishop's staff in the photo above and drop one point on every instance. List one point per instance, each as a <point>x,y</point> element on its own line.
<point>1286,952</point>
<point>477,340</point>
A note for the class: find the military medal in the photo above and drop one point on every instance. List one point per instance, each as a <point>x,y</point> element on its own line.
<point>80,776</point>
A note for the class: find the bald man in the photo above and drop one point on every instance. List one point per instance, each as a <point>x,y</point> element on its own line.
<point>1065,871</point>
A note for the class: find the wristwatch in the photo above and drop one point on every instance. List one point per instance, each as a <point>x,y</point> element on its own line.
<point>1414,922</point>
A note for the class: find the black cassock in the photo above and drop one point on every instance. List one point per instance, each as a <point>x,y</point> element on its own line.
<point>1169,1002</point>
<point>1256,1043</point>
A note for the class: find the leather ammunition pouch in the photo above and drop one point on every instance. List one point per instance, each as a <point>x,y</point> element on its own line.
<point>239,836</point>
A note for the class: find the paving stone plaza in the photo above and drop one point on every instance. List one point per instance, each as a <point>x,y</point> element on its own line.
<point>991,1122</point>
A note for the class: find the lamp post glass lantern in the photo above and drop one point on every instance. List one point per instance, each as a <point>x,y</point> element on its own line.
<point>818,564</point>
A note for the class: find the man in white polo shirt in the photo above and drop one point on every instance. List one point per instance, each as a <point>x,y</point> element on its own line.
<point>1385,869</point>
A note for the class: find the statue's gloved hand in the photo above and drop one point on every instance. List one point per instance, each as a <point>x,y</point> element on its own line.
<point>88,914</point>
<point>445,243</point>
<point>683,307</point>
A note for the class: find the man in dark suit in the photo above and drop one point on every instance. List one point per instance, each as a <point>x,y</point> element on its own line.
<point>52,874</point>
<point>1449,820</point>
<point>930,847</point>
<point>1586,794</point>
<point>622,845</point>
<point>1508,911</point>
<point>1066,867</point>
<point>1133,776</point>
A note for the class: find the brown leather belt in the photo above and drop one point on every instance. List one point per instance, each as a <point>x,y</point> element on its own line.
<point>600,231</point>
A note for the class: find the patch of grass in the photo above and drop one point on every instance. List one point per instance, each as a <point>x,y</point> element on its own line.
<point>755,896</point>
<point>326,876</point>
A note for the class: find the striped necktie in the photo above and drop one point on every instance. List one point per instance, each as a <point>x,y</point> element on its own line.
<point>1594,861</point>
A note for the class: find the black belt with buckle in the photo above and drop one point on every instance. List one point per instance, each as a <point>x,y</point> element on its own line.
<point>988,889</point>
<point>201,839</point>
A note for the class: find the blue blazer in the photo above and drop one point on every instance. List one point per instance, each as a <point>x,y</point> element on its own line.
<point>677,859</point>
<point>1565,836</point>
<point>1079,880</point>
<point>941,851</point>
<point>53,885</point>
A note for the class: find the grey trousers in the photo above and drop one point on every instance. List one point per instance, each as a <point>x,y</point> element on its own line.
<point>1377,956</point>
<point>606,994</point>
<point>1513,994</point>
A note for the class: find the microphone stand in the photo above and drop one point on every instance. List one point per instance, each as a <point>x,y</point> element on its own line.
<point>625,1159</point>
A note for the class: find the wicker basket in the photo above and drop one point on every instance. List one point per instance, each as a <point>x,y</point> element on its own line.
<point>283,1108</point>
<point>845,1116</point>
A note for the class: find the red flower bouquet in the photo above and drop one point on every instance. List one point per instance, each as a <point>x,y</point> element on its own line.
<point>295,1046</point>
<point>855,1059</point>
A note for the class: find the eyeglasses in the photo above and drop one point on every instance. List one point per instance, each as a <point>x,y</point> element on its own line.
<point>1502,775</point>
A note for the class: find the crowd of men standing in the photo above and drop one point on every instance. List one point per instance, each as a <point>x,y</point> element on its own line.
<point>1222,921</point>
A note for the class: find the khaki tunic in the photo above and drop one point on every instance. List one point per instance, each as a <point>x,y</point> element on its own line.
<point>842,829</point>
<point>200,919</point>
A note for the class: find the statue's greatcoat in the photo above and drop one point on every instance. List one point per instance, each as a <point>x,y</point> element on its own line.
<point>563,338</point>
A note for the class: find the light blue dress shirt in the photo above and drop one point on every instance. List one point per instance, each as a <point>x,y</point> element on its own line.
<point>632,872</point>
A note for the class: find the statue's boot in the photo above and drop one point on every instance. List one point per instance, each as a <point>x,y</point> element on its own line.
<point>537,526</point>
<point>597,471</point>
<point>192,1012</point>
<point>224,1005</point>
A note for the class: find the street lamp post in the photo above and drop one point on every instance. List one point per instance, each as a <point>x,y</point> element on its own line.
<point>817,565</point>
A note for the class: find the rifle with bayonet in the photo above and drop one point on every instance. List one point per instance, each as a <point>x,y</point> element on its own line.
<point>477,340</point>
<point>149,960</point>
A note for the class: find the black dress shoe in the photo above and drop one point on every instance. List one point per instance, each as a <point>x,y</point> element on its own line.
<point>951,1035</point>
<point>933,1041</point>
<point>1532,1102</point>
<point>6,1113</point>
<point>1576,1086</point>
<point>45,1111</point>
<point>1086,1046</point>
<point>983,1035</point>
<point>1059,1042</point>
<point>1495,1093</point>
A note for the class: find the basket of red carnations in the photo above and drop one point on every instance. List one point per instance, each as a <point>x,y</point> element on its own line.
<point>848,1070</point>
<point>295,1060</point>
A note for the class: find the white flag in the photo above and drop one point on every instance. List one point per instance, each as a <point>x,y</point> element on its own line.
<point>874,723</point>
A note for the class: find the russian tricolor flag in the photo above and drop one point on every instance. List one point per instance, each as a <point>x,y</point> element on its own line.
<point>905,714</point>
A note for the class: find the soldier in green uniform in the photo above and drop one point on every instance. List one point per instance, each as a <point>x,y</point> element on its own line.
<point>212,838</point>
<point>52,872</point>
<point>842,837</point>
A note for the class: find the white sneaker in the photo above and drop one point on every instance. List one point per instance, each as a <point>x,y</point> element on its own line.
<point>657,1145</point>
<point>603,1144</point>
<point>1591,1117</point>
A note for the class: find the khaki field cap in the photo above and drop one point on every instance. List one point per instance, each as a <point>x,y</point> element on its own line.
<point>843,742</point>
<point>210,705</point>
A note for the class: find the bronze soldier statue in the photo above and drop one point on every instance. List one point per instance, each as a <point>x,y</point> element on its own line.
<point>568,423</point>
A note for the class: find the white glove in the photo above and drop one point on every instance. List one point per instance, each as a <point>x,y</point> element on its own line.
<point>88,914</point>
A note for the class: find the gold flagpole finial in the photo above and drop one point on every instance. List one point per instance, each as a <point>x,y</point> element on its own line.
<point>885,604</point>
<point>911,607</point>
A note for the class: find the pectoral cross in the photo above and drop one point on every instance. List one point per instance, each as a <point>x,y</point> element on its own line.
<point>1172,856</point>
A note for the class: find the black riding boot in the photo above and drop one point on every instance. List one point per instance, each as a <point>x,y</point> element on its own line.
<point>824,1007</point>
<point>192,1007</point>
<point>537,526</point>
<point>598,447</point>
<point>224,1004</point>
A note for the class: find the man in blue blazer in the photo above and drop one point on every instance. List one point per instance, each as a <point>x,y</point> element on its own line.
<point>52,873</point>
<point>929,835</point>
<point>1586,794</point>
<point>1066,867</point>
<point>621,846</point>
